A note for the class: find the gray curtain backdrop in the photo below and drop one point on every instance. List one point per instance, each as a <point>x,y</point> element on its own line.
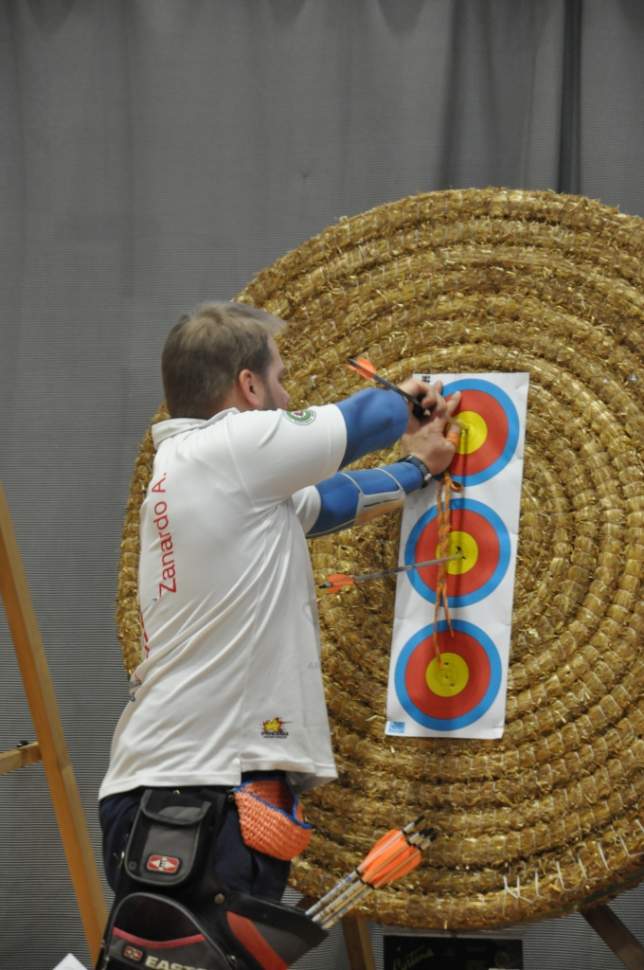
<point>155,153</point>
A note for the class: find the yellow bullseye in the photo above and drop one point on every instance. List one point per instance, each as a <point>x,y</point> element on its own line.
<point>474,432</point>
<point>465,545</point>
<point>447,675</point>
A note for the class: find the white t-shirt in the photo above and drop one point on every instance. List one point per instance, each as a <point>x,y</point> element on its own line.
<point>231,678</point>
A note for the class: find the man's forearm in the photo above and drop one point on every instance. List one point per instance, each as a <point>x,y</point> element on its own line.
<point>351,498</point>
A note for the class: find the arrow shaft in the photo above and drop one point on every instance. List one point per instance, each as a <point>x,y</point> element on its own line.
<point>345,899</point>
<point>419,411</point>
<point>332,893</point>
<point>363,577</point>
<point>328,919</point>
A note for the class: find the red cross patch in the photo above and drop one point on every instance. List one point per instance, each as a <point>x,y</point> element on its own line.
<point>165,864</point>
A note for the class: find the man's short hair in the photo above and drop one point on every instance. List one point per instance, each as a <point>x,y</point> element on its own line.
<point>205,352</point>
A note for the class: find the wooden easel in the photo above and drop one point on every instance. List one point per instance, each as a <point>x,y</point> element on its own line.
<point>616,936</point>
<point>358,943</point>
<point>50,748</point>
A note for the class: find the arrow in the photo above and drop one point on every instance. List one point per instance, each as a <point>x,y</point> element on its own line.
<point>393,856</point>
<point>366,369</point>
<point>337,581</point>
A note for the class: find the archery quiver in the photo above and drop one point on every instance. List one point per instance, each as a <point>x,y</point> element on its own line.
<point>170,912</point>
<point>231,931</point>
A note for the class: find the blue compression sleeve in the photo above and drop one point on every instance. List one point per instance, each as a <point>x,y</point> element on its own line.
<point>349,498</point>
<point>375,419</point>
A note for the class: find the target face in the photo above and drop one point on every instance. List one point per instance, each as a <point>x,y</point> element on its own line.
<point>490,430</point>
<point>478,535</point>
<point>449,691</point>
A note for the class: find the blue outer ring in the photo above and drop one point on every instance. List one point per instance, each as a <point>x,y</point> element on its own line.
<point>475,384</point>
<point>448,723</point>
<point>499,526</point>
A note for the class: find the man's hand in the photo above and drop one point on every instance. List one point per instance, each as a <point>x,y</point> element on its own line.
<point>428,441</point>
<point>428,397</point>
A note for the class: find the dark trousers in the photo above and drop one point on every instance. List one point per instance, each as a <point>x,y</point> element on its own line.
<point>236,866</point>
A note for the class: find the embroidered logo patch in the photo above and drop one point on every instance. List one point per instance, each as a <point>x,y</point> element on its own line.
<point>301,417</point>
<point>133,953</point>
<point>274,728</point>
<point>167,865</point>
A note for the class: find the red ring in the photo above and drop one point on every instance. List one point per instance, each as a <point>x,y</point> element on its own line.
<point>460,584</point>
<point>478,664</point>
<point>497,433</point>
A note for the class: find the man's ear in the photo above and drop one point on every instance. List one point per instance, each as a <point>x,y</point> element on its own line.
<point>248,384</point>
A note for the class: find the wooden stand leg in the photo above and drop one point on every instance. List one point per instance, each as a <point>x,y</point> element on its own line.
<point>358,943</point>
<point>51,745</point>
<point>615,935</point>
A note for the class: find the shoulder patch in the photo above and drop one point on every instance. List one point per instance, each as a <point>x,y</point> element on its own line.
<point>306,416</point>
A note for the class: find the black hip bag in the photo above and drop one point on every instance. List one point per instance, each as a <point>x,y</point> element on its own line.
<point>170,837</point>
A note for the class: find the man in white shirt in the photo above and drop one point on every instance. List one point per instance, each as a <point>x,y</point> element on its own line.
<point>230,686</point>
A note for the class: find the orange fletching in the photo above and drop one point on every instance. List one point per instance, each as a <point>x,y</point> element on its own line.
<point>363,366</point>
<point>454,435</point>
<point>390,854</point>
<point>393,837</point>
<point>399,868</point>
<point>390,858</point>
<point>339,581</point>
